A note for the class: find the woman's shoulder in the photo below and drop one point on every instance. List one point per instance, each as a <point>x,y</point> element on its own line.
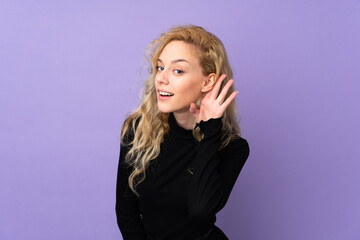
<point>237,148</point>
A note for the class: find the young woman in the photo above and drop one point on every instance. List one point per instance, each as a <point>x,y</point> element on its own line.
<point>180,152</point>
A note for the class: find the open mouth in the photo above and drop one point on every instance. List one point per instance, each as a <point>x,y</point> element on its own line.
<point>165,94</point>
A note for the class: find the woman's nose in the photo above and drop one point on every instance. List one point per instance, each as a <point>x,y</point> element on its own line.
<point>161,77</point>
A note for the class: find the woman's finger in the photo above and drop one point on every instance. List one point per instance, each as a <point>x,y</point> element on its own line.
<point>194,110</point>
<point>215,90</point>
<point>224,91</point>
<point>229,100</point>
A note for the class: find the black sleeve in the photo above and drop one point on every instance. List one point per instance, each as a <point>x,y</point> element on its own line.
<point>127,208</point>
<point>214,172</point>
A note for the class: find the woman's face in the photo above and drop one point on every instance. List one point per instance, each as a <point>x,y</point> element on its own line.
<point>179,78</point>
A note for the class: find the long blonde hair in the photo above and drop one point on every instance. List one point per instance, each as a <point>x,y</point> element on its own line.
<point>147,126</point>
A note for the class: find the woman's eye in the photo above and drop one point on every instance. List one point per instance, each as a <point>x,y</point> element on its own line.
<point>177,71</point>
<point>159,68</point>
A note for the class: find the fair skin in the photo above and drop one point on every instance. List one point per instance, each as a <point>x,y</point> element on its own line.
<point>180,83</point>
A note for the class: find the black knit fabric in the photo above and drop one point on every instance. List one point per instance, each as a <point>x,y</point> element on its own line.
<point>185,186</point>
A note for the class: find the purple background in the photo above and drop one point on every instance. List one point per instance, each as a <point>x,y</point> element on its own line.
<point>70,71</point>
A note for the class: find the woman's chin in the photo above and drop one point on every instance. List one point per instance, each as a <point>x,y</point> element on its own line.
<point>164,109</point>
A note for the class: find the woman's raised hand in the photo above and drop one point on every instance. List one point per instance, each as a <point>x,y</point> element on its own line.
<point>212,105</point>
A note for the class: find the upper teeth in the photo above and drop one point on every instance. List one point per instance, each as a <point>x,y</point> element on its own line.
<point>165,93</point>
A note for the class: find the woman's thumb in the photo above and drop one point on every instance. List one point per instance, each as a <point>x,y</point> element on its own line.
<point>193,108</point>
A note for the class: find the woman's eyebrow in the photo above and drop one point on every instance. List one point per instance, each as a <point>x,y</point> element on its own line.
<point>174,61</point>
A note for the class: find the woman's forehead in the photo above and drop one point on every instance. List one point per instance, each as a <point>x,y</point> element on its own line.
<point>178,51</point>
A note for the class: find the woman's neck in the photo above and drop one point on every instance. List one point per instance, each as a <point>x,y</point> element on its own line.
<point>185,119</point>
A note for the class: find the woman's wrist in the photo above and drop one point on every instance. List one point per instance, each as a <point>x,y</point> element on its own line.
<point>210,127</point>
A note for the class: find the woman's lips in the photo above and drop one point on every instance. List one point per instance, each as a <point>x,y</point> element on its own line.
<point>164,95</point>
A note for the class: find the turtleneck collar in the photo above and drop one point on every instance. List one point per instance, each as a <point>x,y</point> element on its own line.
<point>178,130</point>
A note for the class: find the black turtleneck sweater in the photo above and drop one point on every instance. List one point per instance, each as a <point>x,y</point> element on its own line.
<point>185,186</point>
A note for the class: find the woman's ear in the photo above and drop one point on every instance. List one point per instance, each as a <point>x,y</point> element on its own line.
<point>209,83</point>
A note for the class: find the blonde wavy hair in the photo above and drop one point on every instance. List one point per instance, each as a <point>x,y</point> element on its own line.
<point>146,127</point>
